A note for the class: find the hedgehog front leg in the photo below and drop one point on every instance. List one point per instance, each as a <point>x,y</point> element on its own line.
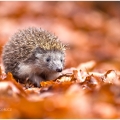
<point>36,79</point>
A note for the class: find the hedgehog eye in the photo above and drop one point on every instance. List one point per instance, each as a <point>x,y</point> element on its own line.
<point>48,59</point>
<point>61,60</point>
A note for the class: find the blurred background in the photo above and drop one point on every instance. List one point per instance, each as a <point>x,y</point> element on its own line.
<point>92,29</point>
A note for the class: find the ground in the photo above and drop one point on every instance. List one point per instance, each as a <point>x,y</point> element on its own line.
<point>89,86</point>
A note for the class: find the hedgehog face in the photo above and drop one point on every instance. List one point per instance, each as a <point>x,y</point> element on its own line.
<point>52,61</point>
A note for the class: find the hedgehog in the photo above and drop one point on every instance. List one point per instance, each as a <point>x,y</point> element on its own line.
<point>34,54</point>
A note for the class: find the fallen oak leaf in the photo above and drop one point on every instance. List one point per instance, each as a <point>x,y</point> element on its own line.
<point>9,77</point>
<point>87,65</point>
<point>2,76</point>
<point>111,77</point>
<point>46,83</point>
<point>8,89</point>
<point>80,75</point>
<point>65,77</point>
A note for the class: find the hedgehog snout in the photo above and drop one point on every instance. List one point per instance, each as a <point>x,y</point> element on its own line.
<point>59,69</point>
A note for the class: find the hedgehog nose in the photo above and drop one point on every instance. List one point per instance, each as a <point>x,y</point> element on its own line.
<point>59,69</point>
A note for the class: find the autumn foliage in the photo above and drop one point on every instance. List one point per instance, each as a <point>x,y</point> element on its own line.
<point>89,86</point>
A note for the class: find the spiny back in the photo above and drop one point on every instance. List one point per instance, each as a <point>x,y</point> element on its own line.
<point>22,44</point>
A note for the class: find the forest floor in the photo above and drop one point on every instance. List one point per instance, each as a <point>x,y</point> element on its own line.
<point>90,84</point>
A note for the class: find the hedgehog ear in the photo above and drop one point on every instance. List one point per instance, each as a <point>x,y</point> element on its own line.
<point>39,52</point>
